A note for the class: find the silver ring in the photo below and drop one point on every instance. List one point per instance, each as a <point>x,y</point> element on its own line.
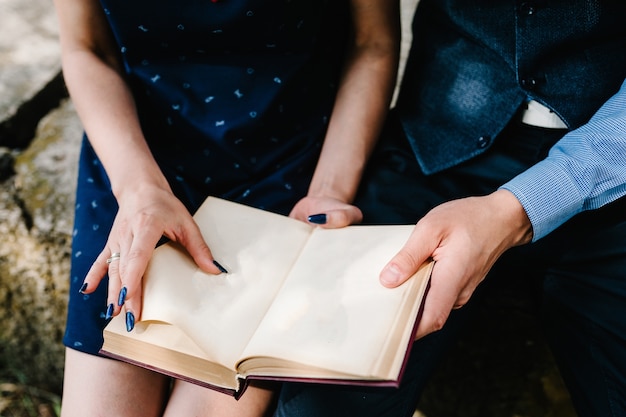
<point>114,257</point>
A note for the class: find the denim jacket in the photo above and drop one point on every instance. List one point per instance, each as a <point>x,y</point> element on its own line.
<point>473,64</point>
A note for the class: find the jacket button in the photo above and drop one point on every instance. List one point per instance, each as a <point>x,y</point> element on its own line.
<point>483,141</point>
<point>527,8</point>
<point>528,83</point>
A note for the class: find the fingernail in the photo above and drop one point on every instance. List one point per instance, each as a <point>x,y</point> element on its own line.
<point>390,275</point>
<point>109,313</point>
<point>317,218</point>
<point>83,288</point>
<point>130,321</point>
<point>122,297</point>
<point>220,267</point>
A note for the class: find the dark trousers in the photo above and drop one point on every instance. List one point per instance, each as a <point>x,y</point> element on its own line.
<point>578,273</point>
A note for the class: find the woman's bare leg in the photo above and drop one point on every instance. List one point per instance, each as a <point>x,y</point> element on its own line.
<point>95,386</point>
<point>192,400</point>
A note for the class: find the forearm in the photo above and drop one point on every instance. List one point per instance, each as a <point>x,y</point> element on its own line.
<point>107,111</point>
<point>93,74</point>
<point>360,108</point>
<point>584,170</point>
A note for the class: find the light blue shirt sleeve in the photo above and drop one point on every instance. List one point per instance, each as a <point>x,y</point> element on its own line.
<point>584,170</point>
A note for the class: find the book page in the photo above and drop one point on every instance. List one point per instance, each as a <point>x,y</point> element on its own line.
<point>165,348</point>
<point>221,312</point>
<point>332,311</point>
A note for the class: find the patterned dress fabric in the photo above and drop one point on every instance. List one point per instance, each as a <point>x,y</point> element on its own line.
<point>234,98</point>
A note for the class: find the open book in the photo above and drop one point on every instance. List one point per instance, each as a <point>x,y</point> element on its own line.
<point>298,303</point>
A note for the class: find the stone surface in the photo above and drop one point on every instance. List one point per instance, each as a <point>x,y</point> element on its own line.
<point>36,223</point>
<point>37,175</point>
<point>29,51</point>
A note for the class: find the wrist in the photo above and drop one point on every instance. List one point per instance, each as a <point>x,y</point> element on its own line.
<point>331,193</point>
<point>334,187</point>
<point>513,215</point>
<point>136,180</point>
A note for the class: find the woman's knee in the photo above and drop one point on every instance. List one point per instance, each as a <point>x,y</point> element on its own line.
<point>95,386</point>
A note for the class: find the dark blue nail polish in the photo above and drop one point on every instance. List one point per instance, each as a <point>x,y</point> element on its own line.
<point>109,313</point>
<point>83,288</point>
<point>317,218</point>
<point>122,297</point>
<point>220,267</point>
<point>130,321</point>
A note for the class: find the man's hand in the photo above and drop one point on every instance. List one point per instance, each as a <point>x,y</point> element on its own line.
<point>465,237</point>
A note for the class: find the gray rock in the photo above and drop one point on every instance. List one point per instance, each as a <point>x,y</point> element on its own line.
<point>37,177</point>
<point>36,208</point>
<point>29,51</point>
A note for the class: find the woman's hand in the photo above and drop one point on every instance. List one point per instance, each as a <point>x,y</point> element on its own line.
<point>144,216</point>
<point>326,212</point>
<point>363,98</point>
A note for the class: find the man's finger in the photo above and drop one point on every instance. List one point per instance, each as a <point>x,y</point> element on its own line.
<point>440,300</point>
<point>406,262</point>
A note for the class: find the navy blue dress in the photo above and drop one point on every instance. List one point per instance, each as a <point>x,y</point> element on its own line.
<point>234,99</point>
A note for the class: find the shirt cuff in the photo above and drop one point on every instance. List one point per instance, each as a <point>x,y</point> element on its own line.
<point>549,196</point>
